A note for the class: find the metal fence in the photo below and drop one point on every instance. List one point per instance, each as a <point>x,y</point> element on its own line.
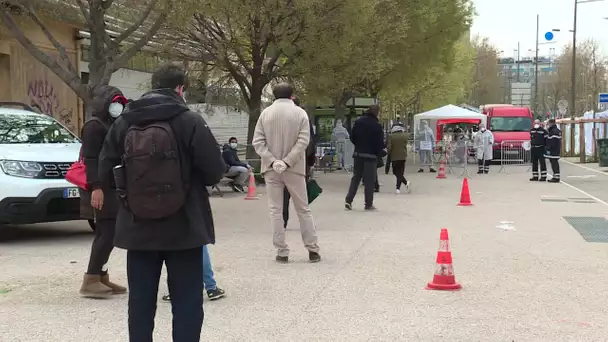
<point>514,153</point>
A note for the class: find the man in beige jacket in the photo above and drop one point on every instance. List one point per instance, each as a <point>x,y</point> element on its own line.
<point>281,136</point>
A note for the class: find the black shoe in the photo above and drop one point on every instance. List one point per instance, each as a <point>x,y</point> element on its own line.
<point>534,179</point>
<point>370,208</point>
<point>285,224</point>
<point>348,206</point>
<point>166,298</point>
<point>282,259</point>
<point>486,172</point>
<point>377,190</point>
<point>432,170</point>
<point>553,180</point>
<point>480,172</point>
<point>314,257</point>
<point>239,188</point>
<point>420,171</point>
<point>216,294</point>
<point>543,179</point>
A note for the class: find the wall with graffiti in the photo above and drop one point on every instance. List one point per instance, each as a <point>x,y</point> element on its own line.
<point>34,84</point>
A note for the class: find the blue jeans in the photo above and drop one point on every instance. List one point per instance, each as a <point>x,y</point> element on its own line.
<point>208,279</point>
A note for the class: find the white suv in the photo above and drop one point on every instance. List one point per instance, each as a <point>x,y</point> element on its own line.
<point>35,154</point>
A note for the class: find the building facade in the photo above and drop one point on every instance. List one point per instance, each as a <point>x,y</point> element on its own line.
<point>24,79</point>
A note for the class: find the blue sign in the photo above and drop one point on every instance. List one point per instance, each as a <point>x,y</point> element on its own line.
<point>603,98</point>
<point>549,35</point>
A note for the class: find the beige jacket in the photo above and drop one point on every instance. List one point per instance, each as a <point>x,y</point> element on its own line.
<point>282,133</point>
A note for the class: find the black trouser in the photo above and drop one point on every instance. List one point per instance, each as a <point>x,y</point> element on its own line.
<point>387,167</point>
<point>366,169</point>
<point>555,167</point>
<point>483,165</point>
<point>103,243</point>
<point>185,280</point>
<point>286,197</point>
<point>398,171</point>
<point>537,155</point>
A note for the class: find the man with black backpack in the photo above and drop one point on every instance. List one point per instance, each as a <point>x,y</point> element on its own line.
<point>161,156</point>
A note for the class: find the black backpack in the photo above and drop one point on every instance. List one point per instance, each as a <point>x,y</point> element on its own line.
<point>155,186</point>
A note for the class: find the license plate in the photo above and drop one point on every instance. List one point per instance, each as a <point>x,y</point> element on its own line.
<point>71,193</point>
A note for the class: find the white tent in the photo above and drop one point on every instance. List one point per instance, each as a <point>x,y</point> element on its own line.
<point>449,112</point>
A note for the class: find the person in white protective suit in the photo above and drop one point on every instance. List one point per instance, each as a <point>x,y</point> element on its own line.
<point>483,142</point>
<point>426,146</point>
<point>339,137</point>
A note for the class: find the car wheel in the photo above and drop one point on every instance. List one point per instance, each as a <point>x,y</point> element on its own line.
<point>92,224</point>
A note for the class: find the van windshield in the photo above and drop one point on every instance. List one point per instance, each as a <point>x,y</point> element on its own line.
<point>33,129</point>
<point>510,124</point>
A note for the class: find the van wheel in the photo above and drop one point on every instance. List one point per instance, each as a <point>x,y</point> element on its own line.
<point>92,224</point>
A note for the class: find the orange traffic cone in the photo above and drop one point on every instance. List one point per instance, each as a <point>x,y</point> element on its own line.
<point>251,190</point>
<point>441,173</point>
<point>465,195</point>
<point>444,278</point>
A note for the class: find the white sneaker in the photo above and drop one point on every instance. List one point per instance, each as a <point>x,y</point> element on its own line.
<point>407,187</point>
<point>397,191</point>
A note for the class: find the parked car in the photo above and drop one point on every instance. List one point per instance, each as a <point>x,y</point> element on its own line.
<point>35,154</point>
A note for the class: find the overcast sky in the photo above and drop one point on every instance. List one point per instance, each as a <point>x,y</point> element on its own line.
<point>505,22</point>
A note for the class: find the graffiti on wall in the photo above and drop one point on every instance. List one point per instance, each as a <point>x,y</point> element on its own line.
<point>44,98</point>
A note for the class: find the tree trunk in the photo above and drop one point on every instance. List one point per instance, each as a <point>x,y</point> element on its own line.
<point>255,109</point>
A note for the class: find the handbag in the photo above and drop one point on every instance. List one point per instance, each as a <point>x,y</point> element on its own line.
<point>77,174</point>
<point>313,190</point>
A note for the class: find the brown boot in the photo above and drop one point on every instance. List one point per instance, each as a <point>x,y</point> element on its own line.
<point>116,289</point>
<point>93,288</point>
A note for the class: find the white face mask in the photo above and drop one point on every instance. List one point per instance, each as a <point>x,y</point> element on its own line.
<point>234,145</point>
<point>483,129</point>
<point>536,126</point>
<point>115,109</point>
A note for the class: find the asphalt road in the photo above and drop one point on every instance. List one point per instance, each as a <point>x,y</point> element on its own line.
<point>585,178</point>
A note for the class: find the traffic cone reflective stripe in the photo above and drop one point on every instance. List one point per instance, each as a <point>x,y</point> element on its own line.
<point>441,173</point>
<point>465,195</point>
<point>251,190</point>
<point>444,277</point>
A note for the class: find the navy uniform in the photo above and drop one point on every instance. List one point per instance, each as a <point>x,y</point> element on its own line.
<point>538,140</point>
<point>554,149</point>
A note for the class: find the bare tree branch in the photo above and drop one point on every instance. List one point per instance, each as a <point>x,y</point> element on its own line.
<point>142,19</point>
<point>141,42</point>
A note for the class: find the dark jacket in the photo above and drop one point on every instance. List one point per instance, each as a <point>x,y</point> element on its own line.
<point>554,142</point>
<point>201,162</point>
<point>538,137</point>
<point>231,158</point>
<point>93,134</point>
<point>368,137</point>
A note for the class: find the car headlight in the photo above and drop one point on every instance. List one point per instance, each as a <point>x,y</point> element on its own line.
<point>24,169</point>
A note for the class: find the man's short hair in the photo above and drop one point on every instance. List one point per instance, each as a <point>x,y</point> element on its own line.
<point>169,76</point>
<point>551,121</point>
<point>282,90</point>
<point>374,109</point>
<point>232,138</point>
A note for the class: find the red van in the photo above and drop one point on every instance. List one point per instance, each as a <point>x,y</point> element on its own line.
<point>511,125</point>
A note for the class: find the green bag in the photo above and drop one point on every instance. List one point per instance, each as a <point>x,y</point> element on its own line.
<point>313,190</point>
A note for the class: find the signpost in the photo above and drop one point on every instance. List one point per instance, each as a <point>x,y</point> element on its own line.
<point>603,101</point>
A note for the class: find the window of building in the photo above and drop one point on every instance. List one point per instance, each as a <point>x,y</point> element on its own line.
<point>85,53</point>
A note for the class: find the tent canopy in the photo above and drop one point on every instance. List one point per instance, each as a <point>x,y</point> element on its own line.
<point>448,114</point>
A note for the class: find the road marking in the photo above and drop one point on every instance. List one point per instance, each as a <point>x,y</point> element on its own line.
<point>583,177</point>
<point>586,168</point>
<point>585,193</point>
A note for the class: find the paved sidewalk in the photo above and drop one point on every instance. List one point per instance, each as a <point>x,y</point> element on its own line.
<point>542,282</point>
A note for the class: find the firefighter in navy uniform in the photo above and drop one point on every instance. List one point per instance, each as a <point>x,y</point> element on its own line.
<point>538,140</point>
<point>554,148</point>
